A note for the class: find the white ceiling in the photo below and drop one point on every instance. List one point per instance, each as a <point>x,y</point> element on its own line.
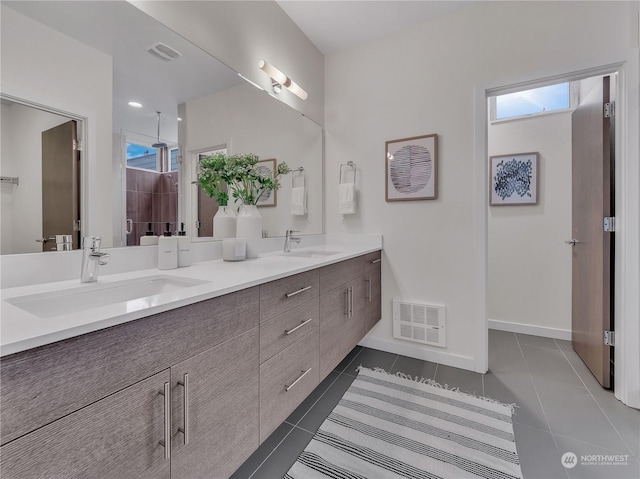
<point>336,25</point>
<point>124,32</point>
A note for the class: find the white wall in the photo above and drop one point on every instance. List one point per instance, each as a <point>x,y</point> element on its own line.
<point>529,264</point>
<point>240,34</point>
<point>43,66</point>
<point>424,81</point>
<point>249,121</point>
<point>21,156</point>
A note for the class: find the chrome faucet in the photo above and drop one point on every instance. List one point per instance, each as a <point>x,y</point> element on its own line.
<point>92,258</point>
<point>289,238</point>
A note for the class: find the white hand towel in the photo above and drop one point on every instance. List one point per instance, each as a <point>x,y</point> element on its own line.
<point>347,200</point>
<point>299,201</point>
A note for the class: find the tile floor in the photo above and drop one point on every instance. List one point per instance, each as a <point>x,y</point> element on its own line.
<point>561,409</point>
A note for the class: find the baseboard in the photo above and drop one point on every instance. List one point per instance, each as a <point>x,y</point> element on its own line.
<point>530,329</point>
<point>407,349</point>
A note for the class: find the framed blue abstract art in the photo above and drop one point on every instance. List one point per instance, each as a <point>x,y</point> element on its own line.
<point>513,179</point>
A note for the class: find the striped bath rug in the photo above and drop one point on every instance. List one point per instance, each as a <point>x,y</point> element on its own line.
<point>388,426</point>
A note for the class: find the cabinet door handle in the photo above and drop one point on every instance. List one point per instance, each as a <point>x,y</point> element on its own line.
<point>376,261</point>
<point>346,303</point>
<point>185,408</point>
<point>166,442</point>
<point>304,373</point>
<point>369,288</point>
<point>289,331</point>
<point>352,301</point>
<point>307,288</point>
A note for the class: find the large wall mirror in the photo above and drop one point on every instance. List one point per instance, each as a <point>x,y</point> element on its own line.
<point>138,166</point>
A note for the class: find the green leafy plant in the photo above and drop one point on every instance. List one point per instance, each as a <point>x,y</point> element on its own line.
<point>240,174</point>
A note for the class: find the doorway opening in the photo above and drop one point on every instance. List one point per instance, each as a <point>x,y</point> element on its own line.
<point>532,246</point>
<point>43,167</point>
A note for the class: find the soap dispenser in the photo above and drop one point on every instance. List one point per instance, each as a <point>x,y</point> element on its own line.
<point>184,248</point>
<point>149,237</point>
<point>167,251</point>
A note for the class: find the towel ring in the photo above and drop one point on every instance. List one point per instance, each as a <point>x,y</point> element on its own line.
<point>300,174</point>
<point>348,164</point>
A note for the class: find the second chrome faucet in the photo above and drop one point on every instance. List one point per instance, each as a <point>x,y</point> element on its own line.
<point>289,238</point>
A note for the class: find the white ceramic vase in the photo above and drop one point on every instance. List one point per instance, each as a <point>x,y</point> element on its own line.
<point>224,223</point>
<point>249,227</point>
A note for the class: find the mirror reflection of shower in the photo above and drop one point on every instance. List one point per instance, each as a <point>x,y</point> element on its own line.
<point>152,186</point>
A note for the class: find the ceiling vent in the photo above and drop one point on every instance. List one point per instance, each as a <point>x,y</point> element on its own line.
<point>421,323</point>
<point>163,51</point>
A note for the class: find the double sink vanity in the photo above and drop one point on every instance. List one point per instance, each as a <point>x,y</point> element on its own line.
<point>180,374</point>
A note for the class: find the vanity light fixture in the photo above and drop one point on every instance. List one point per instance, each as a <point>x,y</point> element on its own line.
<point>279,80</point>
<point>135,104</point>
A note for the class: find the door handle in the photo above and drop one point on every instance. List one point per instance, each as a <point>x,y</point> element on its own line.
<point>129,229</point>
<point>185,408</point>
<point>166,442</point>
<point>572,241</point>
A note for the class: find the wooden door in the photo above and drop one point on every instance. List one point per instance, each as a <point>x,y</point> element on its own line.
<point>115,437</point>
<point>60,184</point>
<point>592,248</point>
<point>221,399</point>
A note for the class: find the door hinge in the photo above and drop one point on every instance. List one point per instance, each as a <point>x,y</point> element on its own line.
<point>198,223</point>
<point>609,338</point>
<point>609,224</point>
<point>76,225</point>
<point>77,145</point>
<point>609,109</point>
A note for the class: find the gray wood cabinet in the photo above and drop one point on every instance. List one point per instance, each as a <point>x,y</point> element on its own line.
<point>342,323</point>
<point>215,409</point>
<point>43,384</point>
<point>211,380</point>
<point>64,394</point>
<point>115,437</point>
<point>289,355</point>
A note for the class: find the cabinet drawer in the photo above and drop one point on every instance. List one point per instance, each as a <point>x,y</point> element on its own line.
<point>338,274</point>
<point>283,294</point>
<point>282,331</point>
<point>286,370</point>
<point>372,262</point>
<point>115,437</point>
<point>46,383</point>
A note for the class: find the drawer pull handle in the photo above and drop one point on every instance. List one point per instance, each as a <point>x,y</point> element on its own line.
<point>166,443</point>
<point>369,288</point>
<point>185,408</point>
<point>376,261</point>
<point>289,331</point>
<point>288,295</point>
<point>304,373</point>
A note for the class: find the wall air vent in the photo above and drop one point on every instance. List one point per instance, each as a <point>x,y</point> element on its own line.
<point>163,51</point>
<point>421,323</point>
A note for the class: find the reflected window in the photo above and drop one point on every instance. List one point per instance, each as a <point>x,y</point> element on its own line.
<point>141,156</point>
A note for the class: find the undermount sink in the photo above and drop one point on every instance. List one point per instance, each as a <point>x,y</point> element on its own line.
<point>57,303</point>
<point>306,253</point>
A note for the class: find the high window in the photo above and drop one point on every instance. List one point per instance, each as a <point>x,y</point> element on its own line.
<point>537,101</point>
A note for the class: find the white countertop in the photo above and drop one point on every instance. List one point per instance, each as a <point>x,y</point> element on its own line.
<point>20,330</point>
